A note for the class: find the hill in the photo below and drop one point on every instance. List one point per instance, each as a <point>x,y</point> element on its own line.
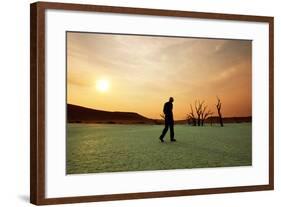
<point>215,119</point>
<point>79,114</point>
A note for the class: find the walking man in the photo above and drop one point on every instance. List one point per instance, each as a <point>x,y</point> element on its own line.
<point>169,120</point>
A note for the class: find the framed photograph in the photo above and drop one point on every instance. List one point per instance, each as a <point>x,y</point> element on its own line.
<point>131,103</point>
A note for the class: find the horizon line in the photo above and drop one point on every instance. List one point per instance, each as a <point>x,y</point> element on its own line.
<point>148,117</point>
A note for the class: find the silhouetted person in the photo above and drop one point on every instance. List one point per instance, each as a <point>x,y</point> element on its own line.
<point>169,120</point>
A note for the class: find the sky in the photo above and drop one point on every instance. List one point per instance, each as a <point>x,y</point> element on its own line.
<point>135,73</point>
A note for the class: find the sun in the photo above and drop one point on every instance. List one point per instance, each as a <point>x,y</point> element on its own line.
<point>102,85</point>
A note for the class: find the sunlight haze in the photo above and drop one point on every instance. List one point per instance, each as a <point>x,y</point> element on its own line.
<point>134,73</point>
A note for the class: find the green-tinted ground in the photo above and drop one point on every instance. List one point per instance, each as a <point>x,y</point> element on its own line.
<point>93,148</point>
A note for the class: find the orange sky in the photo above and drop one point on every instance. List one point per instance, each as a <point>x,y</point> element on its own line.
<point>142,72</point>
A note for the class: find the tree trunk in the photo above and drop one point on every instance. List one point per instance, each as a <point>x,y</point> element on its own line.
<point>219,111</point>
<point>220,118</point>
<point>198,122</point>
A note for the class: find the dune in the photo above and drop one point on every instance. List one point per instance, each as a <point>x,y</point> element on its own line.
<point>79,114</point>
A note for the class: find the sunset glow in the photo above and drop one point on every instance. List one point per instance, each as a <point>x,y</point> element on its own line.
<point>133,73</point>
<point>102,85</point>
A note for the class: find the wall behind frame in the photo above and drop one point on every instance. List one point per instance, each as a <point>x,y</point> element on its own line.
<point>14,104</point>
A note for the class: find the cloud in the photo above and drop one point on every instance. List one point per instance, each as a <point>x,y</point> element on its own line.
<point>152,68</point>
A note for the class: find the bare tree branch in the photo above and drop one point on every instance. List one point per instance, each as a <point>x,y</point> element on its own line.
<point>200,114</point>
<point>219,111</point>
<point>191,116</point>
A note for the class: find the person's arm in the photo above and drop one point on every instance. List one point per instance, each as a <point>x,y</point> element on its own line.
<point>165,108</point>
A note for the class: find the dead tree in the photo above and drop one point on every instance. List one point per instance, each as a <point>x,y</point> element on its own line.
<point>219,111</point>
<point>205,114</point>
<point>200,114</point>
<point>191,116</point>
<point>198,108</point>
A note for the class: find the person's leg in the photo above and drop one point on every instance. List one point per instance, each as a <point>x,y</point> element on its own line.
<point>164,131</point>
<point>172,134</point>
